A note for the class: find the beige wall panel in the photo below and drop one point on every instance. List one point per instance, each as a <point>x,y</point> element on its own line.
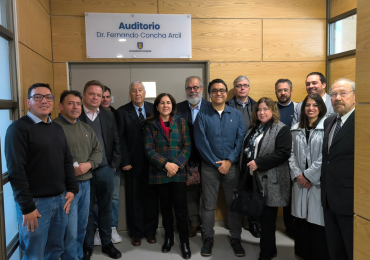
<point>363,51</point>
<point>264,75</point>
<point>343,68</point>
<point>227,40</point>
<point>60,80</point>
<point>362,161</point>
<point>294,40</point>
<point>33,69</point>
<point>34,27</point>
<point>79,7</point>
<point>46,5</point>
<point>361,250</point>
<point>245,8</point>
<point>341,6</point>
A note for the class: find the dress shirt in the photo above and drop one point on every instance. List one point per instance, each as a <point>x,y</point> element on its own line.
<point>65,119</point>
<point>37,120</point>
<point>195,110</point>
<point>142,111</point>
<point>90,115</point>
<point>344,119</point>
<point>241,103</point>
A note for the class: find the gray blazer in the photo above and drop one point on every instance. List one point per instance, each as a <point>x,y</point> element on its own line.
<point>306,204</point>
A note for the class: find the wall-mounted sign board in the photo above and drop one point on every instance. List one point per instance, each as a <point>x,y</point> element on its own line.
<point>138,35</point>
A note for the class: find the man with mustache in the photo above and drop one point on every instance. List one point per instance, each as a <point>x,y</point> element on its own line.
<point>315,83</point>
<point>188,110</point>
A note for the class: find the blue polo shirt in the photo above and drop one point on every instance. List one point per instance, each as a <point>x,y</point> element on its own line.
<point>219,138</point>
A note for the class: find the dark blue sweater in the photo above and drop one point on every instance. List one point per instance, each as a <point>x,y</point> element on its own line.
<point>286,113</point>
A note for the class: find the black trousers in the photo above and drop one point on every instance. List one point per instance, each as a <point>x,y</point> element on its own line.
<point>268,228</point>
<point>173,194</point>
<point>339,233</point>
<point>310,241</point>
<point>141,206</point>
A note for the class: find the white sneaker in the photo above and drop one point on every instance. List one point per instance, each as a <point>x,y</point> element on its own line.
<point>115,237</point>
<point>97,241</point>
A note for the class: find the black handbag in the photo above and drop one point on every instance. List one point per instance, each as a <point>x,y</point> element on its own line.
<point>250,202</point>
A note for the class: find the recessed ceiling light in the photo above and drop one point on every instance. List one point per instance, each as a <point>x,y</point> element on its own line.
<point>122,40</point>
<point>119,56</point>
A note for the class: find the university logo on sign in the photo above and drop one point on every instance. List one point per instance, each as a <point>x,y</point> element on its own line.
<point>140,45</point>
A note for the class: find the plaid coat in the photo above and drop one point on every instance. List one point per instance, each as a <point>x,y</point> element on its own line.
<point>159,149</point>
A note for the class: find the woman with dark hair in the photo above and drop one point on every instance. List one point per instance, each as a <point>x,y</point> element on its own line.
<point>167,147</point>
<point>266,150</point>
<point>305,170</point>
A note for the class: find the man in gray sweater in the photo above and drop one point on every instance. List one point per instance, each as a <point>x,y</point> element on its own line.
<point>87,154</point>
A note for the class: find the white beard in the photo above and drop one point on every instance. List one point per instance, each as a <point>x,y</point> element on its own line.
<point>194,101</point>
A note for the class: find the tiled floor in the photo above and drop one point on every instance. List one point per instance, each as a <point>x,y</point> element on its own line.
<point>221,249</point>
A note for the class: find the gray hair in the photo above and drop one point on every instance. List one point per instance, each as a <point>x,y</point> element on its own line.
<point>135,82</point>
<point>353,85</point>
<point>194,77</point>
<point>240,78</point>
<point>283,81</point>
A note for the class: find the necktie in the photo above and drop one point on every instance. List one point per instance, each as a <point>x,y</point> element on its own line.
<point>141,116</point>
<point>337,127</point>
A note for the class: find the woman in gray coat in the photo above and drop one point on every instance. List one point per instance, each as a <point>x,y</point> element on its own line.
<point>305,170</point>
<point>266,150</point>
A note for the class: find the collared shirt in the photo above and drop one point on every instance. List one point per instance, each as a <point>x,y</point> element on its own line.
<point>325,97</point>
<point>142,111</point>
<point>285,105</point>
<point>37,120</point>
<point>344,119</point>
<point>65,119</point>
<point>241,103</point>
<point>90,114</point>
<point>195,111</point>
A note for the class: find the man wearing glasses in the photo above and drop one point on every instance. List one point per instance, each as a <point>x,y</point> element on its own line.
<point>188,110</point>
<point>245,105</point>
<point>41,173</point>
<point>220,131</point>
<point>315,83</point>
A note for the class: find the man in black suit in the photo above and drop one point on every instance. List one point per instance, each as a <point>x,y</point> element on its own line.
<point>141,198</point>
<point>188,110</point>
<point>337,171</point>
<point>101,184</point>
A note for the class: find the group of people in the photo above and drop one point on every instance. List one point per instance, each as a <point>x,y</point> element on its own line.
<point>66,173</point>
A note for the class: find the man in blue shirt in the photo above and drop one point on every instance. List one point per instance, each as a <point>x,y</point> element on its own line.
<point>220,131</point>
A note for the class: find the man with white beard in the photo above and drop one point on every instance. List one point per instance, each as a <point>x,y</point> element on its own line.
<point>188,110</point>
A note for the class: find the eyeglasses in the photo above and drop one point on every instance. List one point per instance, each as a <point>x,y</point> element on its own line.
<point>39,97</point>
<point>195,88</point>
<point>137,90</point>
<point>286,90</point>
<point>342,94</point>
<point>242,85</point>
<point>215,91</point>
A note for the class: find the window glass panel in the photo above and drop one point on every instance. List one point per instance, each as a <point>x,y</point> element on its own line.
<point>3,13</point>
<point>16,255</point>
<point>11,226</point>
<point>343,35</point>
<point>5,121</point>
<point>5,92</point>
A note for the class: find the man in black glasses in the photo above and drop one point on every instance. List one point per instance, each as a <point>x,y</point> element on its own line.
<point>220,131</point>
<point>41,173</point>
<point>188,110</point>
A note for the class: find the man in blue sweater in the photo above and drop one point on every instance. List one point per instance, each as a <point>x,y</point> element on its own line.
<point>41,173</point>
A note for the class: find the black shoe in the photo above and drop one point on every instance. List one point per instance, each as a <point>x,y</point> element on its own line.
<point>168,243</point>
<point>185,250</point>
<point>207,247</point>
<point>111,251</point>
<point>255,230</point>
<point>290,232</point>
<point>237,247</point>
<point>87,253</point>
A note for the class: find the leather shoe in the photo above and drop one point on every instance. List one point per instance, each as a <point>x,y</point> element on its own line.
<point>255,230</point>
<point>193,231</point>
<point>185,250</point>
<point>151,240</point>
<point>111,251</point>
<point>87,253</point>
<point>168,243</point>
<point>136,241</point>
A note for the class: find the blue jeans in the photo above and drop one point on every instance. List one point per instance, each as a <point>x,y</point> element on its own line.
<point>101,187</point>
<point>77,222</point>
<point>46,242</point>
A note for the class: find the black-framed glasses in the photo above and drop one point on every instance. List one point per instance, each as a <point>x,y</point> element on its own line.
<point>342,94</point>
<point>195,88</point>
<point>39,97</point>
<point>215,91</point>
<point>242,85</point>
<point>281,90</point>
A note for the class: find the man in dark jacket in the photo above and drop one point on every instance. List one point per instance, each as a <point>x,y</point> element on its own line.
<point>245,105</point>
<point>188,110</point>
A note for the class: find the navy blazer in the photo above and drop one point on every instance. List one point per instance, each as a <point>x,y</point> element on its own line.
<point>131,138</point>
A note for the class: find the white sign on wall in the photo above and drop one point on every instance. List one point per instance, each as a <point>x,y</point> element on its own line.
<point>138,35</point>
